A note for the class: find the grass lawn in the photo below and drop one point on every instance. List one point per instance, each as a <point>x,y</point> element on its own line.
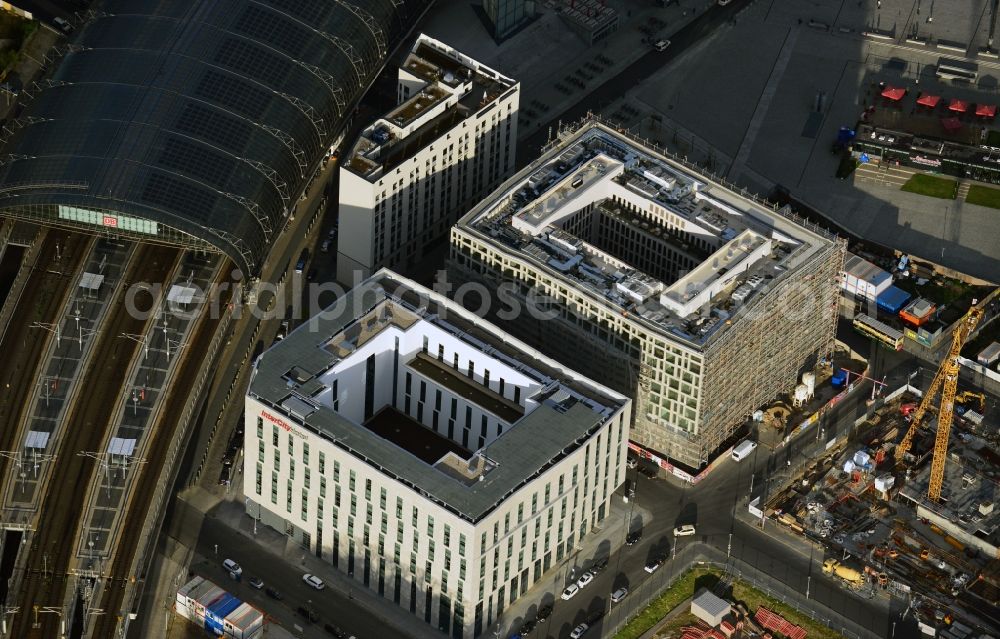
<point>667,601</point>
<point>932,186</point>
<point>693,581</point>
<point>983,196</point>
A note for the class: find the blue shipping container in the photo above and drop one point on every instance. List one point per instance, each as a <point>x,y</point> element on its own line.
<point>216,614</point>
<point>892,300</point>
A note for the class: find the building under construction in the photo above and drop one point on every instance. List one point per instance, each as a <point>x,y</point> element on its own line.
<point>882,531</point>
<point>699,302</point>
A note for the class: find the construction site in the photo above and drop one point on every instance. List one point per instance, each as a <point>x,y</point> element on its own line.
<point>906,503</point>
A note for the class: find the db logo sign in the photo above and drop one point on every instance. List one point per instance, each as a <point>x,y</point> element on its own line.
<point>110,220</point>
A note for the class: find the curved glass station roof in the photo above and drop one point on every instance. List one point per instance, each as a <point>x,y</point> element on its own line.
<point>193,122</point>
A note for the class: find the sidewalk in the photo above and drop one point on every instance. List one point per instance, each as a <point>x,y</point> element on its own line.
<point>611,533</point>
<point>607,539</point>
<point>398,622</point>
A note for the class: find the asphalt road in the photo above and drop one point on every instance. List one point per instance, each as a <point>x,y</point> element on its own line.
<point>632,75</point>
<point>332,605</point>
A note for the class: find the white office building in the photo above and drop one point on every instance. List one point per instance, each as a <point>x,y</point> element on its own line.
<point>698,302</point>
<point>449,142</point>
<point>427,454</point>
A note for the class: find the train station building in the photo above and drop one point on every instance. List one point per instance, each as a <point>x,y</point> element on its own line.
<point>195,124</point>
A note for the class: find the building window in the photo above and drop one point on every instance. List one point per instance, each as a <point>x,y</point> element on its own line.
<point>260,428</point>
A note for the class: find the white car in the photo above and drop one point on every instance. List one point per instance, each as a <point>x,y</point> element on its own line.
<point>232,567</point>
<point>314,581</point>
<point>585,579</point>
<point>619,594</point>
<point>653,565</point>
<point>684,531</point>
<point>578,631</point>
<point>325,246</point>
<point>661,45</point>
<point>570,592</point>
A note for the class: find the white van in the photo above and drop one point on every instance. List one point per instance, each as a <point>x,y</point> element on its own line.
<point>743,449</point>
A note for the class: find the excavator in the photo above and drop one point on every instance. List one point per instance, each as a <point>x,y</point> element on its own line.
<point>965,397</point>
<point>945,381</point>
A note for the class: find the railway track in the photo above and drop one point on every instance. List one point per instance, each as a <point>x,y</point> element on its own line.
<point>150,475</point>
<point>45,294</point>
<point>45,579</point>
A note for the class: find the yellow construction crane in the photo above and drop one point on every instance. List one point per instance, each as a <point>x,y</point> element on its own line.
<point>945,380</point>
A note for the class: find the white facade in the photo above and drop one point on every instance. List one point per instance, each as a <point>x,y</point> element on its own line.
<point>450,140</point>
<point>456,538</point>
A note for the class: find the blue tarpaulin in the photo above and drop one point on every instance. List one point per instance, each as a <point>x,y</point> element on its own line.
<point>892,300</point>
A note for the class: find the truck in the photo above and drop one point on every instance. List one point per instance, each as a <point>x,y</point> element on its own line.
<point>850,575</point>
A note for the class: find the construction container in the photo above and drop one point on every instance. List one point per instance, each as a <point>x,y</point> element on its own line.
<point>989,355</point>
<point>918,312</point>
<point>218,611</point>
<point>861,278</point>
<point>892,300</point>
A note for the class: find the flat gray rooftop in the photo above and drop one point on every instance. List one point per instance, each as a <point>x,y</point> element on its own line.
<point>537,441</point>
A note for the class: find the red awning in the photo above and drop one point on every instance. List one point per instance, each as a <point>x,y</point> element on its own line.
<point>951,124</point>
<point>959,106</point>
<point>929,100</point>
<point>893,93</point>
<point>986,110</point>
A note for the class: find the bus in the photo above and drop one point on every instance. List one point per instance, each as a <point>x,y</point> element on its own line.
<point>951,69</point>
<point>879,331</point>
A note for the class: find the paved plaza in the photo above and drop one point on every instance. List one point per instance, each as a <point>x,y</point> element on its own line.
<point>769,118</point>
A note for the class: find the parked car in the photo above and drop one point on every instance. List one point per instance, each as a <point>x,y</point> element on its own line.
<point>543,613</point>
<point>335,631</point>
<point>306,613</point>
<point>633,538</point>
<point>570,592</point>
<point>599,565</point>
<point>256,582</point>
<point>619,594</point>
<point>585,579</point>
<point>272,593</point>
<point>314,581</point>
<point>578,631</point>
<point>661,45</point>
<point>684,531</point>
<point>527,627</point>
<point>325,246</point>
<point>653,565</point>
<point>232,567</point>
<point>64,26</point>
<point>648,470</point>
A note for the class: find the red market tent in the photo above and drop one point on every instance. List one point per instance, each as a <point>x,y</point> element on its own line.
<point>986,110</point>
<point>929,100</point>
<point>959,106</point>
<point>951,124</point>
<point>893,93</point>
